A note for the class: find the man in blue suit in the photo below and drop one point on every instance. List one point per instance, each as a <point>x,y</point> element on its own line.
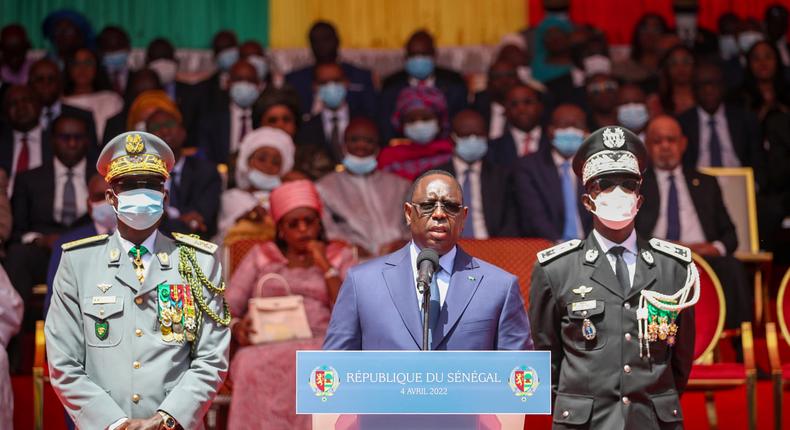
<point>480,307</point>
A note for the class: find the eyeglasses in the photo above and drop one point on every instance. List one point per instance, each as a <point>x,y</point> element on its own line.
<point>134,184</point>
<point>606,184</point>
<point>427,208</point>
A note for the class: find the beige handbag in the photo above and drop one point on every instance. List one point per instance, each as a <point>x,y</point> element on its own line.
<point>276,319</point>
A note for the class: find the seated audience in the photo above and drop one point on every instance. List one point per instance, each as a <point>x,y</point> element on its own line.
<point>765,87</point>
<point>776,23</point>
<point>645,54</point>
<point>14,64</point>
<point>87,87</point>
<point>139,82</point>
<point>720,134</point>
<point>22,145</point>
<point>363,206</point>
<point>676,80</point>
<point>47,201</point>
<point>685,206</point>
<point>265,156</point>
<point>773,198</point>
<point>523,132</point>
<point>263,375</point>
<point>502,76</point>
<point>420,70</point>
<point>548,193</point>
<point>11,310</point>
<point>552,61</point>
<point>194,186</point>
<point>5,208</point>
<point>632,110</point>
<point>66,30</point>
<point>601,99</point>
<point>214,89</point>
<point>324,44</point>
<point>114,48</point>
<point>103,221</point>
<point>252,52</point>
<point>421,116</point>
<point>487,188</point>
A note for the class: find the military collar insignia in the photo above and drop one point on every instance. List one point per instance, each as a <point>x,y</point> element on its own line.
<point>582,290</point>
<point>680,252</point>
<point>591,255</point>
<point>555,251</point>
<point>115,255</point>
<point>164,259</point>
<point>613,138</point>
<point>648,257</point>
<point>103,287</point>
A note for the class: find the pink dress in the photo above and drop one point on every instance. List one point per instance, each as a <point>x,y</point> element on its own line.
<point>263,375</point>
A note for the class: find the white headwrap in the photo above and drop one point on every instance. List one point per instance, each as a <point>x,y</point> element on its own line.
<point>259,138</point>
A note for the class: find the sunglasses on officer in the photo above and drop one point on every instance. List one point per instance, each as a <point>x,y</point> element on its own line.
<point>605,184</point>
<point>128,184</point>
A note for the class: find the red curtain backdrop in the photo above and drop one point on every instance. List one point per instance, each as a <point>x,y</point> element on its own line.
<point>711,10</point>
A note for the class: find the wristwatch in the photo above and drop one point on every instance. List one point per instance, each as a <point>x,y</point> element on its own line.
<point>168,422</point>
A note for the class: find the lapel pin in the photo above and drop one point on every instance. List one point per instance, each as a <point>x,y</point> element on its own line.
<point>470,277</point>
<point>582,290</point>
<point>591,255</point>
<point>103,287</point>
<point>648,257</point>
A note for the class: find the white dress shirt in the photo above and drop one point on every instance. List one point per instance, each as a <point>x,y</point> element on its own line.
<point>343,117</point>
<point>519,137</point>
<point>236,112</point>
<point>441,275</point>
<point>34,150</point>
<point>728,156</point>
<point>496,127</point>
<point>690,226</point>
<point>558,160</point>
<point>477,214</point>
<point>148,243</point>
<point>80,188</point>
<point>629,255</point>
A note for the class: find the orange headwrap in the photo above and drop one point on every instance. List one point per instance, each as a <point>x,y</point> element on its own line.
<point>293,195</point>
<point>147,103</point>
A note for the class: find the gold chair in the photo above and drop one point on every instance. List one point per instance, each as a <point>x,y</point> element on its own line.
<point>40,377</point>
<point>780,372</point>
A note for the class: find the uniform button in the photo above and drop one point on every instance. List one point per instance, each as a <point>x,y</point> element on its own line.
<point>626,400</point>
<point>101,311</point>
<point>135,398</point>
<point>138,332</point>
<point>675,412</point>
<point>627,369</point>
<point>136,364</point>
<point>628,336</point>
<point>566,414</point>
<point>627,305</point>
<point>139,300</point>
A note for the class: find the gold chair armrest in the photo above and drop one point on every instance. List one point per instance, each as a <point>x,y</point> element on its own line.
<point>772,341</point>
<point>748,345</point>
<point>39,359</point>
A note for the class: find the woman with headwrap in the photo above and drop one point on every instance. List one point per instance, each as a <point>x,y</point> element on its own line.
<point>265,155</point>
<point>421,116</point>
<point>552,51</point>
<point>263,375</point>
<point>147,103</point>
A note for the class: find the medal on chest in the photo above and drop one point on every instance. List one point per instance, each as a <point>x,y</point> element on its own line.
<point>176,313</point>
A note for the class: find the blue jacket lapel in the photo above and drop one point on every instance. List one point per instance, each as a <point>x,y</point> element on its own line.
<point>399,277</point>
<point>464,281</point>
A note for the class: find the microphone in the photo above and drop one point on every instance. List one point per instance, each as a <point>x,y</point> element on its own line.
<point>427,262</point>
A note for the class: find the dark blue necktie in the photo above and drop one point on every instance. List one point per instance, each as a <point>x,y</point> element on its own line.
<point>673,211</point>
<point>569,230</point>
<point>466,186</point>
<point>714,144</point>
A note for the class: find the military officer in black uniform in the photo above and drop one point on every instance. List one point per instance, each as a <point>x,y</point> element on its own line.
<point>615,309</point>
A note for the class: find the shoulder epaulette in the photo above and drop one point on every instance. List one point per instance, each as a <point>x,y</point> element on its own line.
<point>555,251</point>
<point>194,242</point>
<point>673,250</point>
<point>85,241</point>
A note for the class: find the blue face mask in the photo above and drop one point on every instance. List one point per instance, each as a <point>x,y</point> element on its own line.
<point>114,61</point>
<point>632,116</point>
<point>260,64</point>
<point>263,182</point>
<point>471,148</point>
<point>360,165</point>
<point>567,140</point>
<point>244,93</point>
<point>103,214</point>
<point>422,132</point>
<point>332,94</point>
<point>141,208</point>
<point>419,66</point>
<point>227,57</point>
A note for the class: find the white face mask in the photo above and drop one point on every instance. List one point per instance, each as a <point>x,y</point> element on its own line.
<point>141,208</point>
<point>616,209</point>
<point>166,69</point>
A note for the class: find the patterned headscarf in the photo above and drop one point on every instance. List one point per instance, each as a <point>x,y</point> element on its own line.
<point>293,195</point>
<point>418,97</point>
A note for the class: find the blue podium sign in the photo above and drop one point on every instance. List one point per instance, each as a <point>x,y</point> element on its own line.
<point>417,382</point>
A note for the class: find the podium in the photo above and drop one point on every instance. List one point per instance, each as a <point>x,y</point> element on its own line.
<point>475,390</point>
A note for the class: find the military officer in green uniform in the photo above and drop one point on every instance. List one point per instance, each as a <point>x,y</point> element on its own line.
<point>615,309</point>
<point>137,333</point>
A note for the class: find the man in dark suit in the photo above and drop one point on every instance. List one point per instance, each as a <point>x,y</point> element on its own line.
<point>140,81</point>
<point>546,185</point>
<point>420,69</point>
<point>720,134</point>
<point>487,189</point>
<point>502,75</point>
<point>114,47</point>
<point>194,186</point>
<point>324,43</point>
<point>523,133</point>
<point>22,139</point>
<point>685,206</point>
<point>613,366</point>
<point>214,89</point>
<point>47,201</point>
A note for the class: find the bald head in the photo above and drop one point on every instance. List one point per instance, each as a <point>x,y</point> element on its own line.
<point>665,142</point>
